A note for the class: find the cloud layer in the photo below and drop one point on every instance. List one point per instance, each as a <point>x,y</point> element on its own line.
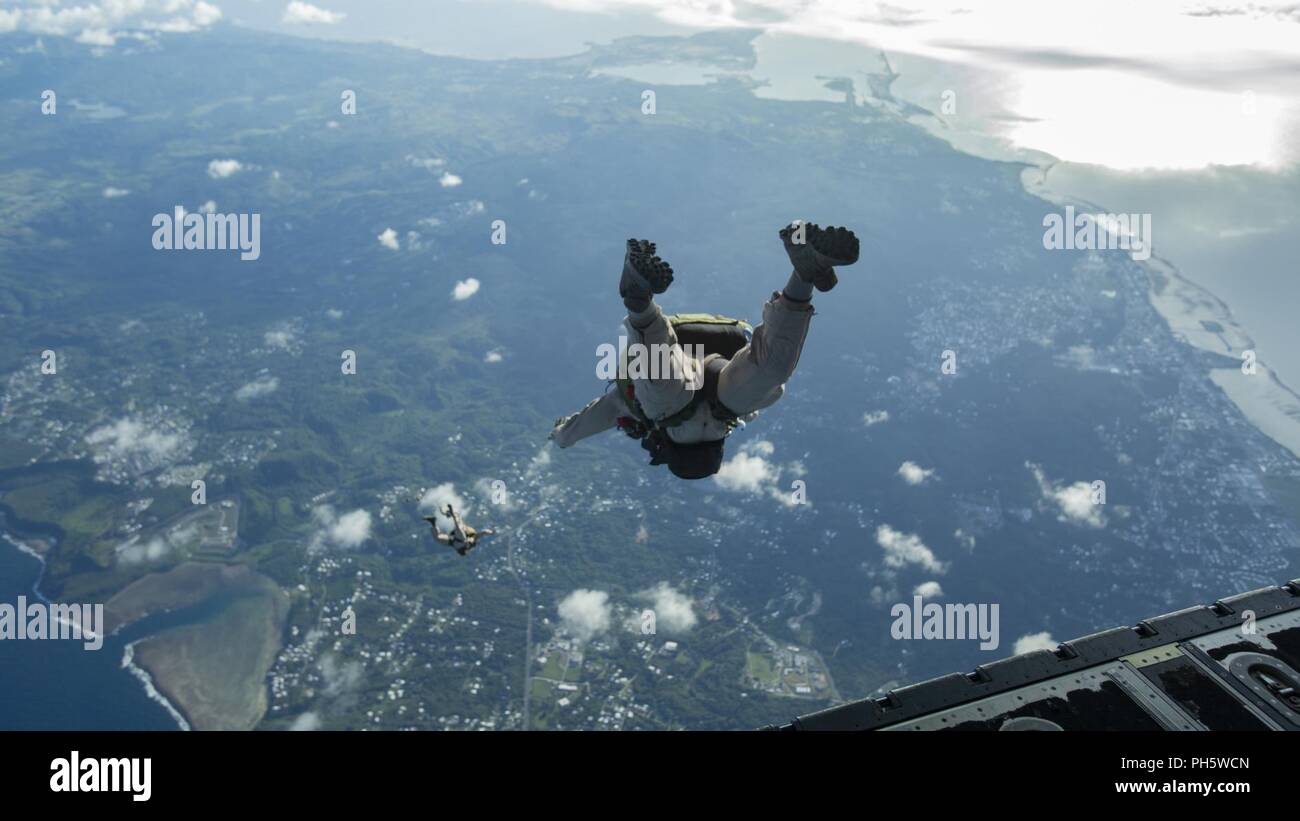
<point>102,23</point>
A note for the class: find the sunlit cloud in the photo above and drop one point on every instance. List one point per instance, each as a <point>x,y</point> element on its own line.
<point>1034,641</point>
<point>101,24</point>
<point>465,289</point>
<point>298,12</point>
<point>1156,84</point>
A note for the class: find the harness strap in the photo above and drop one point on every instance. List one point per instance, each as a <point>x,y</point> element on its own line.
<point>712,368</point>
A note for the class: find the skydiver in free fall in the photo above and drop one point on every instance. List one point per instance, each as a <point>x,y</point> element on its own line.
<point>462,538</point>
<point>684,416</point>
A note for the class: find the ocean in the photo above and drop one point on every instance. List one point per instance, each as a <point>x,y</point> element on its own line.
<point>60,685</point>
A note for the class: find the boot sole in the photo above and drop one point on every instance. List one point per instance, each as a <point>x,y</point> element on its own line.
<point>830,246</point>
<point>834,246</point>
<point>653,272</point>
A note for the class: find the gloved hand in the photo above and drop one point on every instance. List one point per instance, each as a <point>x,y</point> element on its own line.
<point>559,425</point>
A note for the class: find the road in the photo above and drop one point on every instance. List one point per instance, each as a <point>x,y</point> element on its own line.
<point>516,571</point>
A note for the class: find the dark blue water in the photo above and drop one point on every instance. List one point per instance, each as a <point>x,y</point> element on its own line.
<point>59,685</point>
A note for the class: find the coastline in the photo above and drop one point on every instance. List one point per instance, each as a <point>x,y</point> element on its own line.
<point>1193,313</point>
<point>23,547</point>
<point>142,675</point>
<point>1200,318</point>
<point>153,682</point>
<point>128,654</point>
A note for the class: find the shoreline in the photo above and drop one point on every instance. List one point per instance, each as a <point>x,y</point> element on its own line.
<point>1192,312</point>
<point>1198,317</point>
<point>150,689</point>
<point>128,654</point>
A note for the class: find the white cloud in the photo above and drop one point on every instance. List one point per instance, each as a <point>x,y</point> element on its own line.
<point>100,23</point>
<point>156,548</point>
<point>746,472</point>
<point>349,531</point>
<point>1076,505</point>
<point>388,239</point>
<point>306,13</point>
<point>96,37</point>
<point>929,590</point>
<point>882,595</point>
<point>1232,233</point>
<point>914,474</point>
<point>436,499</point>
<point>902,549</point>
<point>495,495</point>
<point>205,14</point>
<point>875,418</point>
<point>585,614</point>
<point>306,722</point>
<point>339,679</point>
<point>449,180</point>
<point>963,538</point>
<point>209,207</point>
<point>111,193</point>
<point>282,338</point>
<point>752,470</point>
<point>465,289</point>
<point>334,313</point>
<point>259,387</point>
<point>539,462</point>
<point>1034,641</point>
<point>220,169</point>
<point>135,551</point>
<point>131,440</point>
<point>762,447</point>
<point>493,357</point>
<point>1074,502</point>
<point>674,611</point>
